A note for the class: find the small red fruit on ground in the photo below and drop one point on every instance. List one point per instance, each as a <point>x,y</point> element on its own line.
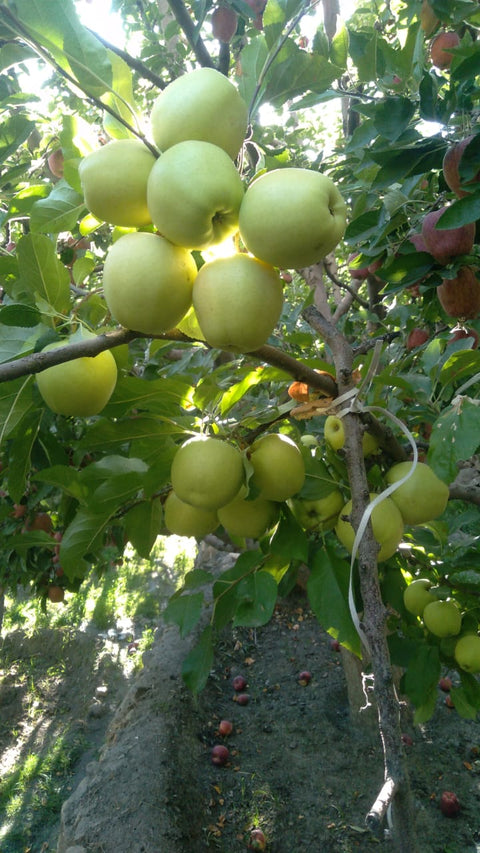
<point>305,678</point>
<point>219,755</point>
<point>449,804</point>
<point>239,683</point>
<point>449,701</point>
<point>242,699</point>
<point>225,728</point>
<point>445,684</point>
<point>257,840</point>
<point>407,740</point>
<point>334,645</point>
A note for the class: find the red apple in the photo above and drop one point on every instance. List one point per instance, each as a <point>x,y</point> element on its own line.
<point>56,593</point>
<point>224,23</point>
<point>446,244</point>
<point>257,840</point>
<point>449,804</point>
<point>445,684</point>
<point>41,521</point>
<point>242,698</point>
<point>219,755</point>
<point>257,6</point>
<point>305,678</point>
<point>451,164</point>
<point>439,49</point>
<point>239,683</point>
<point>360,273</point>
<point>225,728</point>
<point>18,511</point>
<point>416,338</point>
<point>407,740</point>
<point>418,242</point>
<point>55,163</point>
<point>460,296</point>
<point>464,334</point>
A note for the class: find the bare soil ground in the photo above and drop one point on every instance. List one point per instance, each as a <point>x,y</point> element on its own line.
<point>298,768</point>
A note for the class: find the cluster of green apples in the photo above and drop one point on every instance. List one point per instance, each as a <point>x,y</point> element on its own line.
<point>209,485</point>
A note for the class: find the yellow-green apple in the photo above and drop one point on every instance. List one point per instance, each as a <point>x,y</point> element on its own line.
<point>292,218</point>
<point>203,105</point>
<point>446,243</point>
<point>114,182</point>
<point>387,525</point>
<point>422,497</point>
<point>320,514</point>
<point>443,618</point>
<point>451,168</point>
<point>460,296</point>
<point>428,19</point>
<point>194,194</point>
<point>207,472</point>
<point>81,387</point>
<point>249,519</point>
<point>417,595</point>
<point>187,520</point>
<point>147,282</point>
<point>335,436</point>
<point>278,467</point>
<point>237,301</point>
<point>440,49</point>
<point>467,653</point>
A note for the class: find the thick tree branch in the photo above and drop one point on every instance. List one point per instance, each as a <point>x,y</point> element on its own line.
<point>196,43</point>
<point>377,813</point>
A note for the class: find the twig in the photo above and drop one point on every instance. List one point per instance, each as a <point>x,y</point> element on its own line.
<point>374,818</point>
<point>132,62</point>
<point>196,43</point>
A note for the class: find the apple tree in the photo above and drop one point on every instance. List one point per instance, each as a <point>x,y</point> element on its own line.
<point>240,295</point>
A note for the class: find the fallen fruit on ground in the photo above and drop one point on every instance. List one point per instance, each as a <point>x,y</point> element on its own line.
<point>467,653</point>
<point>114,182</point>
<point>186,520</point>
<point>219,755</point>
<point>80,387</point>
<point>242,698</point>
<point>278,467</point>
<point>257,840</point>
<point>449,804</point>
<point>207,472</point>
<point>292,218</point>
<point>225,728</point>
<point>422,497</point>
<point>305,677</point>
<point>239,683</point>
<point>237,302</point>
<point>417,595</point>
<point>443,618</point>
<point>445,684</point>
<point>387,524</point>
<point>202,104</point>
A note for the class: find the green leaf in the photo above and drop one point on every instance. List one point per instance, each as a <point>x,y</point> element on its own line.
<point>363,51</point>
<point>42,273</point>
<point>66,478</point>
<point>327,589</point>
<point>14,131</point>
<point>426,710</point>
<point>460,365</point>
<point>143,524</point>
<point>20,454</point>
<point>253,378</point>
<point>461,212</point>
<point>82,536</point>
<point>15,402</point>
<point>60,211</point>
<point>88,59</point>
<point>289,539</point>
<point>184,611</point>
<point>421,677</point>
<point>462,704</point>
<point>455,436</point>
<point>390,116</point>
<point>339,48</point>
<point>108,435</point>
<point>17,314</point>
<point>252,60</point>
<point>225,588</point>
<point>157,396</point>
<point>256,596</point>
<point>199,661</point>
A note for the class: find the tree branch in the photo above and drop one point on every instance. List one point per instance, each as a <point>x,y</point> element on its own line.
<point>132,62</point>
<point>196,43</point>
<point>374,818</point>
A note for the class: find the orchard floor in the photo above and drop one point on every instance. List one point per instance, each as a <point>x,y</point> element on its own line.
<point>299,768</point>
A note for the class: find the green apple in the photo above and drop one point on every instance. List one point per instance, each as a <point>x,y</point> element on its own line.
<point>335,436</point>
<point>467,653</point>
<point>80,387</point>
<point>187,520</point>
<point>387,524</point>
<point>422,497</point>
<point>249,519</point>
<point>443,618</point>
<point>194,194</point>
<point>237,301</point>
<point>207,472</point>
<point>114,182</point>
<point>417,595</point>
<point>147,282</point>
<point>292,218</point>
<point>203,104</point>
<point>320,514</point>
<point>278,467</point>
